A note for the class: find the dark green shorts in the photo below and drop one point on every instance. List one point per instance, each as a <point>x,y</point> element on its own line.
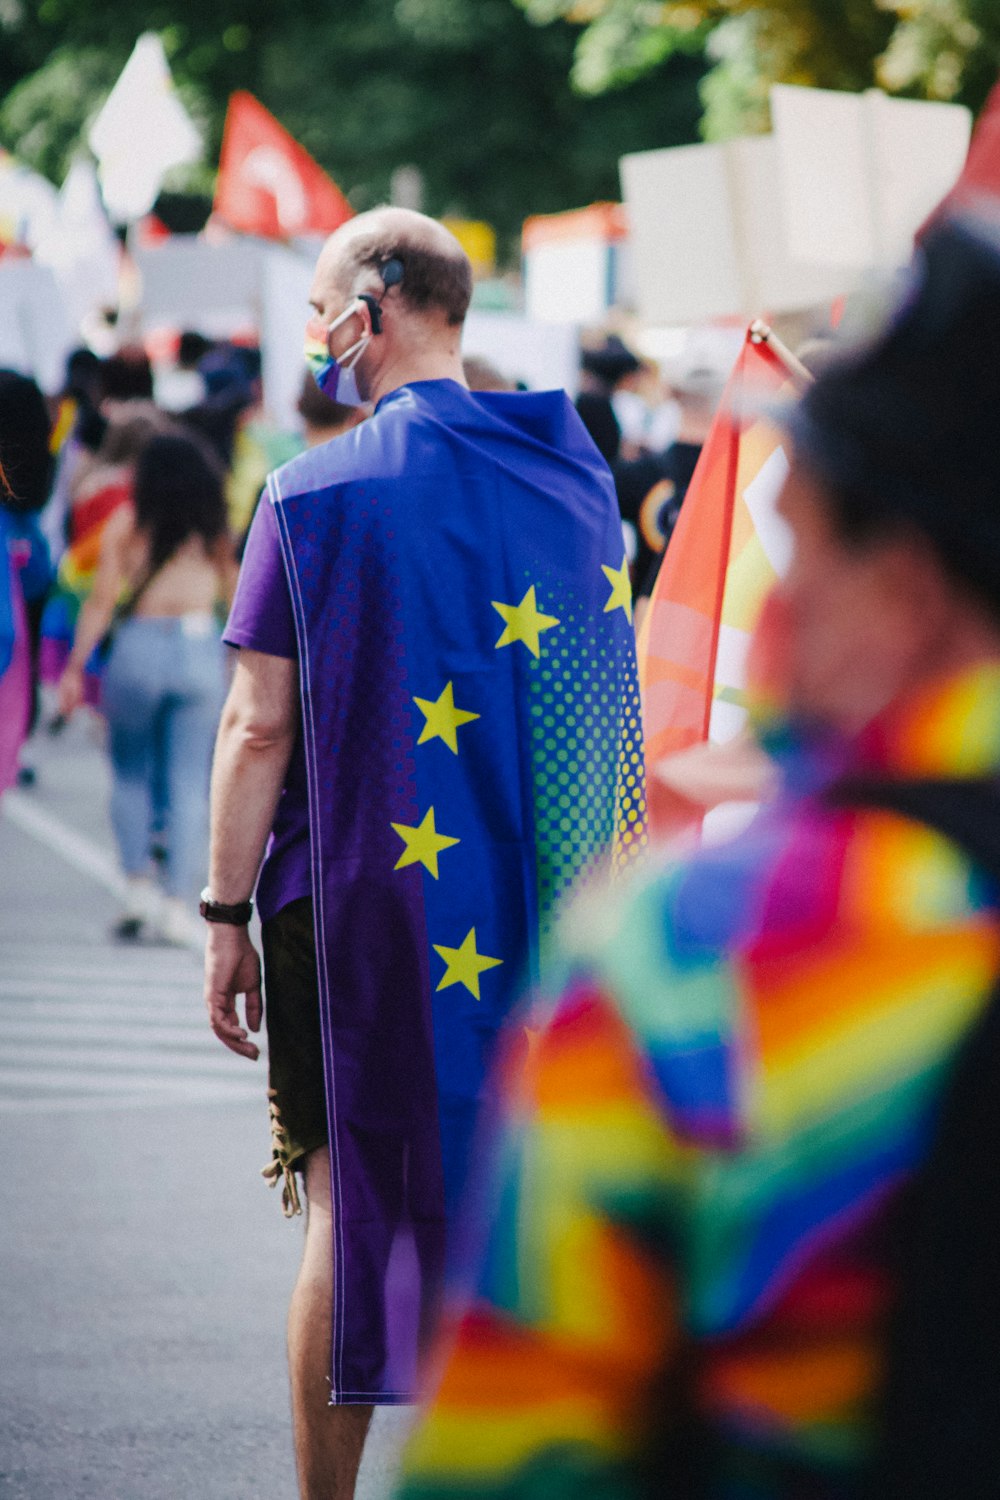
<point>296,1089</point>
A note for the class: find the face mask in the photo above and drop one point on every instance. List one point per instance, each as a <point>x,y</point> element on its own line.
<point>335,377</point>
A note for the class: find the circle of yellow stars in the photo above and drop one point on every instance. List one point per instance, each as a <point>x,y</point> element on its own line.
<point>524,624</point>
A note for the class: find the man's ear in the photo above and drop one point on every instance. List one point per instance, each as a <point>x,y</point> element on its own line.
<point>370,312</point>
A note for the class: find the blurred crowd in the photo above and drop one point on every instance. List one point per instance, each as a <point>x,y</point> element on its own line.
<point>126,500</point>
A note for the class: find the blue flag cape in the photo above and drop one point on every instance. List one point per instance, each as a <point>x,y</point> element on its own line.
<point>471,723</point>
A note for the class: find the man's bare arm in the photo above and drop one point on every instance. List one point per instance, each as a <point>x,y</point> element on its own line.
<point>252,751</point>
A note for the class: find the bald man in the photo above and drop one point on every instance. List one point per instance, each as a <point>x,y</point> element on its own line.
<point>434,729</point>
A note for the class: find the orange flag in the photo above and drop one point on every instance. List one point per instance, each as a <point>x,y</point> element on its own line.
<point>268,184</point>
<point>728,549</point>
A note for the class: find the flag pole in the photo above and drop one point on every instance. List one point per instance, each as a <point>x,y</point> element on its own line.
<point>761,333</point>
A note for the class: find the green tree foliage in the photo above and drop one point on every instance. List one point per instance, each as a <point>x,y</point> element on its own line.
<point>934,49</point>
<point>470,91</point>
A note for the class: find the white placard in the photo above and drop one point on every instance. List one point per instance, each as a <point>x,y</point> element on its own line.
<point>568,281</point>
<point>545,356</point>
<point>708,239</point>
<point>859,173</point>
<point>35,330</point>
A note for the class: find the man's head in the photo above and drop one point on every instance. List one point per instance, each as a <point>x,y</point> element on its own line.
<point>390,293</point>
<point>894,494</point>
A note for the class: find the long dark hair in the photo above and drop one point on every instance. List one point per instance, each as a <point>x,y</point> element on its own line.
<point>178,494</point>
<point>24,438</point>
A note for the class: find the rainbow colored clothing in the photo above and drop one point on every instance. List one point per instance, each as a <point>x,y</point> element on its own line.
<point>736,1075</point>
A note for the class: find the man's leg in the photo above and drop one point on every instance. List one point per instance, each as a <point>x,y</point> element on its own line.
<point>328,1439</point>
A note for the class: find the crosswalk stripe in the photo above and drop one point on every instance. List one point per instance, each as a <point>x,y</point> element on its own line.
<point>192,1017</point>
<point>48,1104</point>
<point>100,1035</point>
<point>71,1081</point>
<point>111,1059</point>
<point>86,1029</point>
<point>64,989</point>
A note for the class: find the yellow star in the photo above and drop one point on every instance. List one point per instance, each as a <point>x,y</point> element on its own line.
<point>443,718</point>
<point>423,844</point>
<point>621,588</point>
<point>523,622</point>
<point>464,965</point>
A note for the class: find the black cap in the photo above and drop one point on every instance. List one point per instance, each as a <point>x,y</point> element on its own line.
<point>908,427</point>
<point>611,361</point>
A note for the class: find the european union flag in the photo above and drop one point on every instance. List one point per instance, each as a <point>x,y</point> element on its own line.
<point>472,732</point>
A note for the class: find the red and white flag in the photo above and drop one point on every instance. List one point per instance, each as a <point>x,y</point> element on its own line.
<point>268,184</point>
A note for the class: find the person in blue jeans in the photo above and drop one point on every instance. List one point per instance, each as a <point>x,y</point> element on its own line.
<point>166,563</point>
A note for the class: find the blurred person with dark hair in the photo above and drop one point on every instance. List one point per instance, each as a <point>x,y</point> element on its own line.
<point>601,371</point>
<point>232,419</point>
<point>164,678</point>
<point>101,486</point>
<point>28,467</point>
<point>127,375</point>
<point>738,1232</point>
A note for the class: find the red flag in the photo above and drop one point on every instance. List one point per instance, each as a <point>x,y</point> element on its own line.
<point>268,184</point>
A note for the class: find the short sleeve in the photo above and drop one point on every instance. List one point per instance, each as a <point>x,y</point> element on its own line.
<point>261,617</point>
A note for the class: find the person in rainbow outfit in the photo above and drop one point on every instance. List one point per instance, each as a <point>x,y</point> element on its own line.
<point>678,1276</point>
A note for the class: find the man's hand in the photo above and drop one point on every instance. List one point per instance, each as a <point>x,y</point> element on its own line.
<point>232,968</point>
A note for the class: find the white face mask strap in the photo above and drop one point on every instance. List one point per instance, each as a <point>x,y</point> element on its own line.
<point>350,356</point>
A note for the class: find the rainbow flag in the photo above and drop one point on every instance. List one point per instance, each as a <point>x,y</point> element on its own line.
<point>728,550</point>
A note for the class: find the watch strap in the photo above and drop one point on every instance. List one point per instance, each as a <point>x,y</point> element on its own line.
<point>231,916</point>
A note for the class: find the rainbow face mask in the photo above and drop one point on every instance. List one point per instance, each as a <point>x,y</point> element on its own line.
<point>335,377</point>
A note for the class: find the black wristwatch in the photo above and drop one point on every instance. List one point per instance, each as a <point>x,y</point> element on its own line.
<point>233,916</point>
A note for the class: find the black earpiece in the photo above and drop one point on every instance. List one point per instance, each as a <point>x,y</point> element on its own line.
<point>375,308</point>
<point>391,273</point>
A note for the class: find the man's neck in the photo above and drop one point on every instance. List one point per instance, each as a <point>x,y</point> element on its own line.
<point>411,365</point>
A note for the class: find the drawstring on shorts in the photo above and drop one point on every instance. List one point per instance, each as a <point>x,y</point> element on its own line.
<point>280,1168</point>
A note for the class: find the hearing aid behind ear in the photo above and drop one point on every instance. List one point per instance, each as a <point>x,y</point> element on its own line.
<point>392,275</point>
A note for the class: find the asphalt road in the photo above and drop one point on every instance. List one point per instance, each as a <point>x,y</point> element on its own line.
<point>145,1268</point>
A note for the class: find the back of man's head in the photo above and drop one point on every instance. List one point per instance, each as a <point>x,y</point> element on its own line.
<point>902,432</point>
<point>408,254</point>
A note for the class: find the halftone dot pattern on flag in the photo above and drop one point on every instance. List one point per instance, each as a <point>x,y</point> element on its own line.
<point>630,801</point>
<point>586,755</point>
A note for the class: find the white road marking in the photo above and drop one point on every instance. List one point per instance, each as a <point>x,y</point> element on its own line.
<point>81,853</point>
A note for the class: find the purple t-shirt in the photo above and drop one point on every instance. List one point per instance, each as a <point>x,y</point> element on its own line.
<point>261,618</point>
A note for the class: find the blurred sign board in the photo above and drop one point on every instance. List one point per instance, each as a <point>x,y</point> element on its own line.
<point>860,173</point>
<point>35,330</point>
<point>708,235</point>
<point>575,264</point>
<point>226,288</point>
<point>544,356</point>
